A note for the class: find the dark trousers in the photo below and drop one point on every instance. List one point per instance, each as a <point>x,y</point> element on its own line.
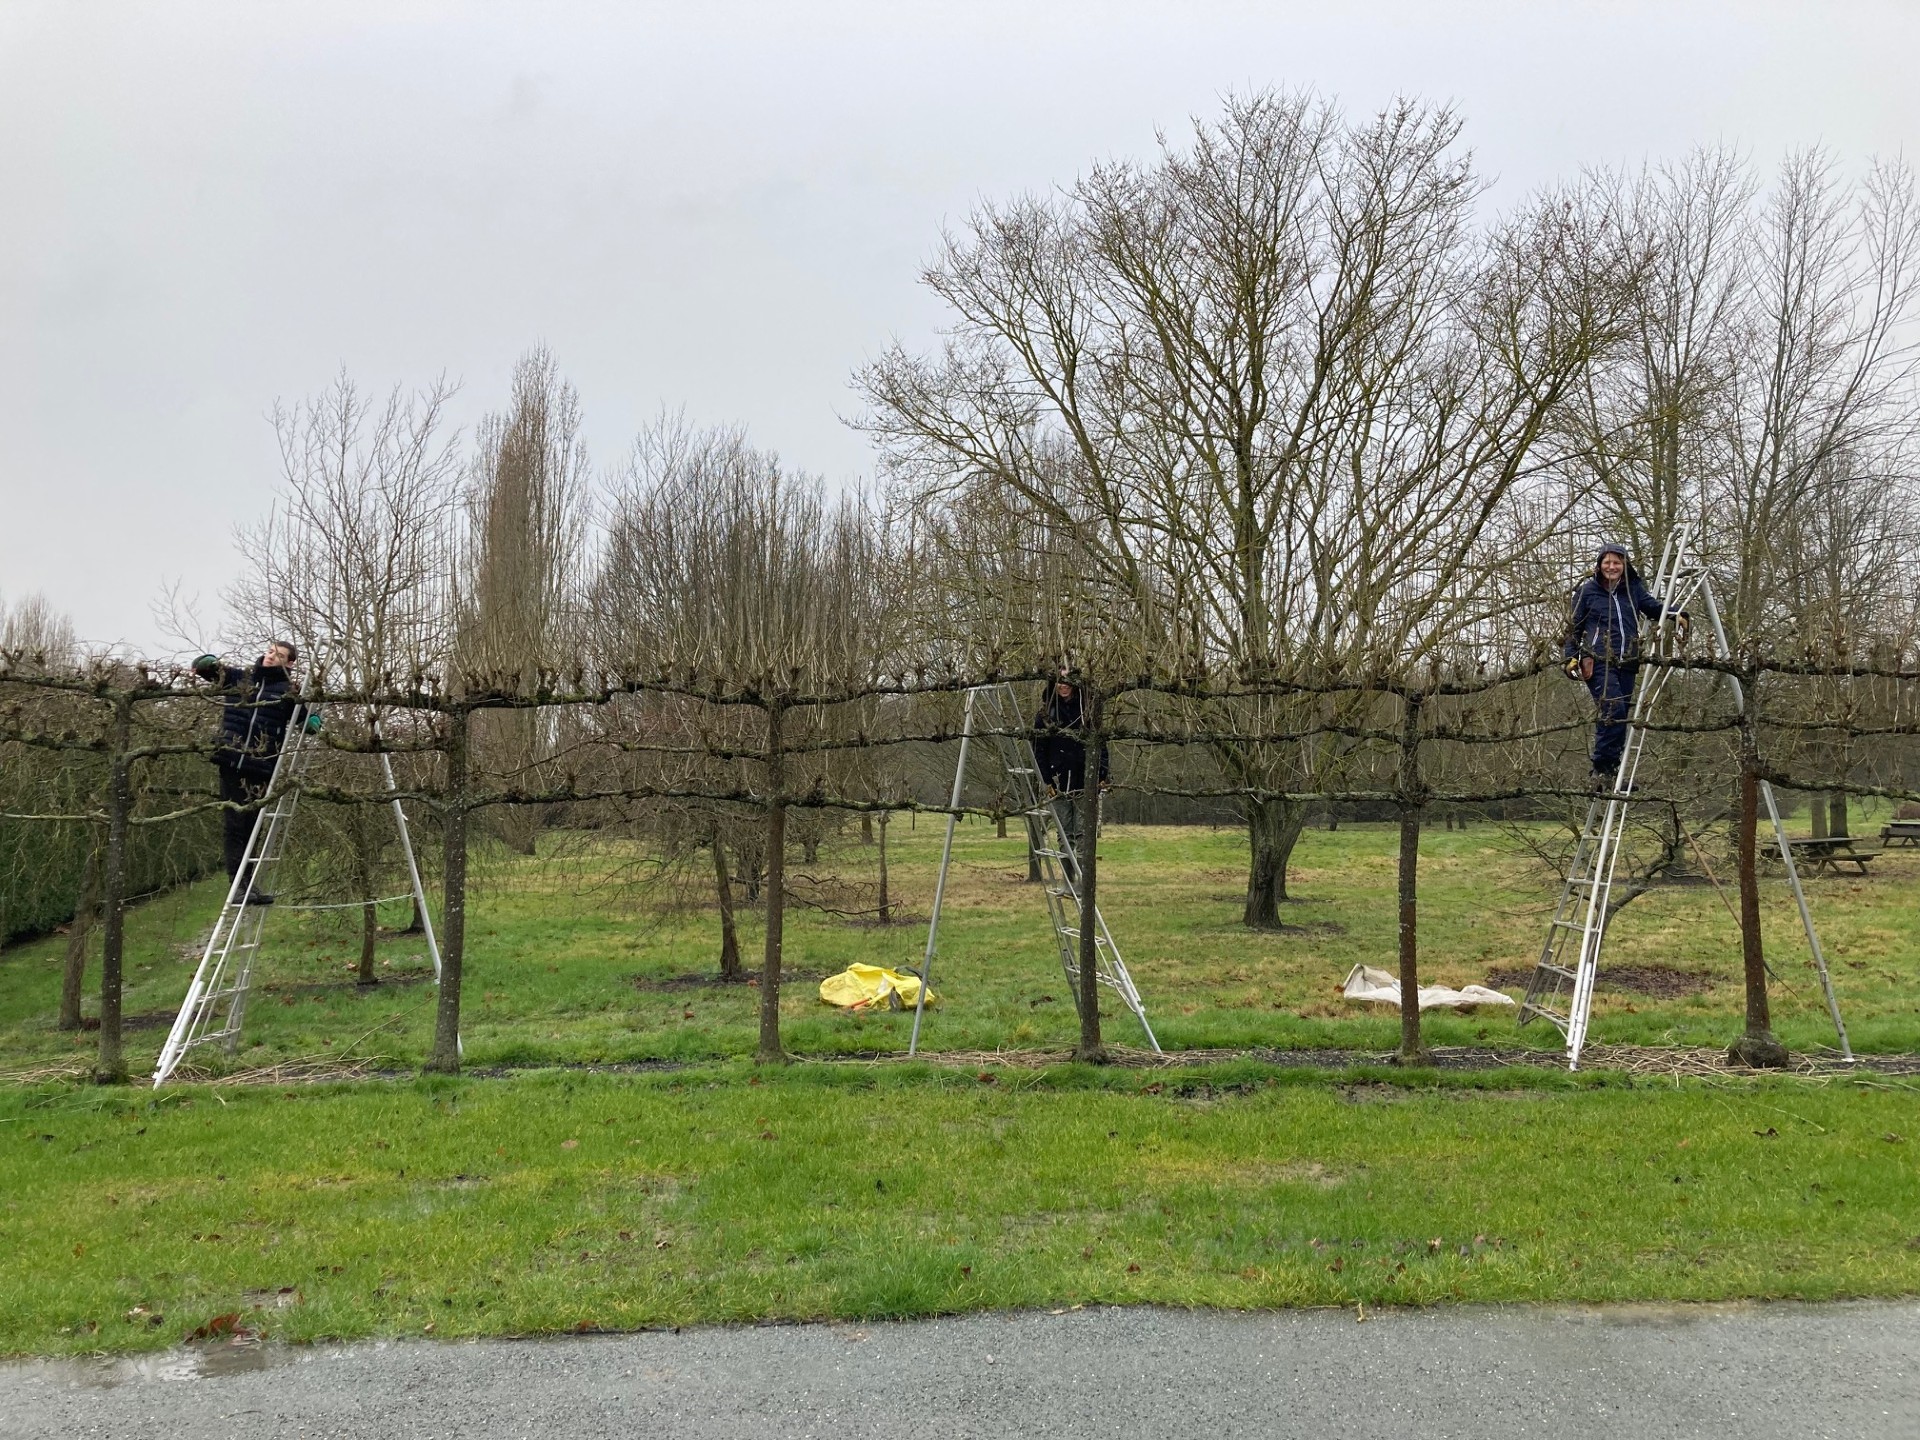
<point>1612,689</point>
<point>1066,809</point>
<point>236,826</point>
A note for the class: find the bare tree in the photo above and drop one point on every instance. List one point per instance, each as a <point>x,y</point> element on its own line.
<point>1278,384</point>
<point>736,581</point>
<point>519,581</point>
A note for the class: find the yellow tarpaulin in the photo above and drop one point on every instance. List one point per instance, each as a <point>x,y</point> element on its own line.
<point>859,986</point>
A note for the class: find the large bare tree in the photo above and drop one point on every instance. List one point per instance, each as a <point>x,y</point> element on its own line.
<point>1278,382</point>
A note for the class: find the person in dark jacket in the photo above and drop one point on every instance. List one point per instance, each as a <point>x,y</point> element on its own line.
<point>1602,648</point>
<point>1061,757</point>
<point>260,702</point>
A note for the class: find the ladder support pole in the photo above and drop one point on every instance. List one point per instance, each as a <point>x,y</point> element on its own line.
<point>946,863</point>
<point>413,865</point>
<point>1806,920</point>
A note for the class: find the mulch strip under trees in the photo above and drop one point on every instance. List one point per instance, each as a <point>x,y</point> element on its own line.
<point>1640,1061</point>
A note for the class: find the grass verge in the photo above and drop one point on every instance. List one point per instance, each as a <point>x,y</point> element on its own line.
<point>556,1202</point>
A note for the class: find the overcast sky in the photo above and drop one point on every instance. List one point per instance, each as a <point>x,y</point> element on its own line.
<point>206,208</point>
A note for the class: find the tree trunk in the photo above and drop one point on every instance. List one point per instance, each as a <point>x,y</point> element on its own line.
<point>723,889</point>
<point>110,1068</point>
<point>1034,876</point>
<point>362,842</point>
<point>1272,828</point>
<point>886,906</point>
<point>453,923</point>
<point>1837,814</point>
<point>1091,1048</point>
<point>1817,816</point>
<point>369,938</point>
<point>770,1051</point>
<point>73,975</point>
<point>1000,825</point>
<point>810,850</point>
<point>1411,1050</point>
<point>866,827</point>
<point>1757,1047</point>
<point>1412,793</point>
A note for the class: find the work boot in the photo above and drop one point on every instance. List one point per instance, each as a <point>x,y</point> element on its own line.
<point>257,897</point>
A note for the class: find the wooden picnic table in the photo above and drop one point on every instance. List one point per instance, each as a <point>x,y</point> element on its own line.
<point>1906,832</point>
<point>1830,852</point>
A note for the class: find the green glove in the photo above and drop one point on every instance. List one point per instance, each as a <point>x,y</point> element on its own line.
<point>207,667</point>
<point>313,722</point>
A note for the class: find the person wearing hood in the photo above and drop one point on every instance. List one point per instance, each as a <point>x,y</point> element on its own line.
<point>1060,754</point>
<point>260,701</point>
<point>1602,648</point>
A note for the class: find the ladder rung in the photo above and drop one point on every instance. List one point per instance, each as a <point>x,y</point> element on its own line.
<point>1553,969</point>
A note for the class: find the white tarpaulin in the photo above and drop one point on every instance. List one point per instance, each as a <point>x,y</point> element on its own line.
<point>1383,988</point>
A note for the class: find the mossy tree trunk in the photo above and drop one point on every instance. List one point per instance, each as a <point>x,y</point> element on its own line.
<point>110,1066</point>
<point>73,974</point>
<point>1412,803</point>
<point>770,1050</point>
<point>1091,1047</point>
<point>360,836</point>
<point>730,968</point>
<point>453,928</point>
<point>1758,1046</point>
<point>1273,827</point>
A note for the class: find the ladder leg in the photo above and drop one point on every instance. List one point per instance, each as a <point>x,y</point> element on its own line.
<point>1806,920</point>
<point>940,884</point>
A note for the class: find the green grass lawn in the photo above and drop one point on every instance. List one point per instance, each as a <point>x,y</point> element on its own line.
<point>560,1201</point>
<point>566,963</point>
<point>556,1199</point>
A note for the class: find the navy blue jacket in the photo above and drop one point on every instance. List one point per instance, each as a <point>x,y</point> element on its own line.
<point>1605,624</point>
<point>1062,757</point>
<point>253,723</point>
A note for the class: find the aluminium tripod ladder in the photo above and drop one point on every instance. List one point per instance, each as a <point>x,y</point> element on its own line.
<point>1561,990</point>
<point>216,1003</point>
<point>993,713</point>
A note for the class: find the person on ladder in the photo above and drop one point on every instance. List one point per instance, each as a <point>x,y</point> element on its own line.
<point>1061,757</point>
<point>1602,648</point>
<point>260,702</point>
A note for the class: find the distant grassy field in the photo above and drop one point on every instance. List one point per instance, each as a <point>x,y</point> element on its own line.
<point>567,963</point>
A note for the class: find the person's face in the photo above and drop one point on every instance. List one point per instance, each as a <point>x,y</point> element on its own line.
<point>275,655</point>
<point>1612,567</point>
<point>1063,688</point>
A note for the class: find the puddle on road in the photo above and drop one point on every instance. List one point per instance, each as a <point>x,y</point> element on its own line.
<point>194,1362</point>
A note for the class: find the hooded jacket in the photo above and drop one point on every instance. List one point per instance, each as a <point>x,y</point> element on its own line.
<point>1605,624</point>
<point>1062,755</point>
<point>253,723</point>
